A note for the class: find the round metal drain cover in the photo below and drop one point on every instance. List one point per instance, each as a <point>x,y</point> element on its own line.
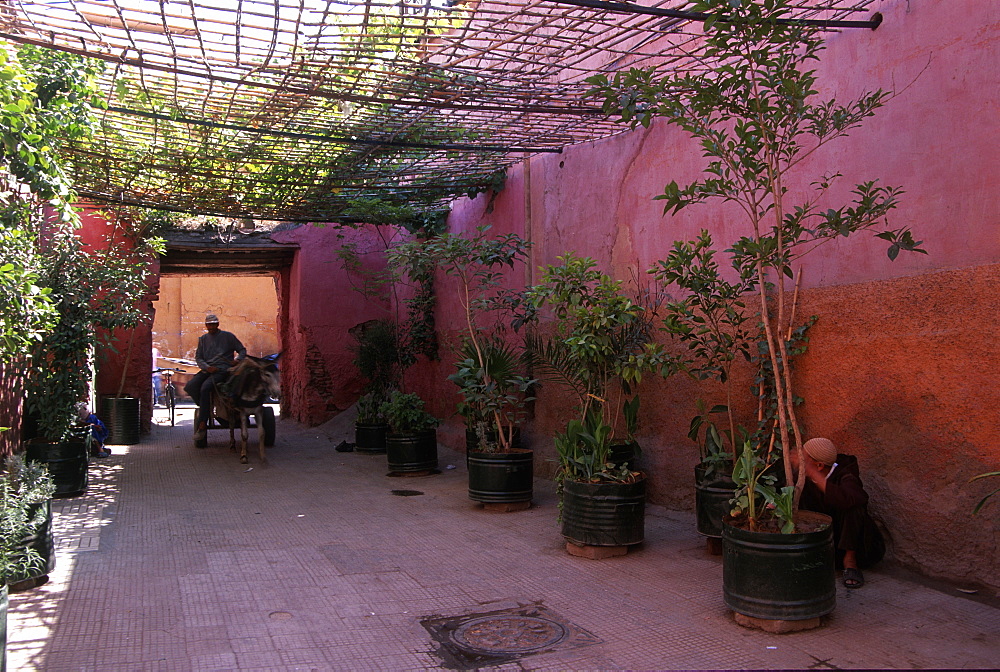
<point>493,635</point>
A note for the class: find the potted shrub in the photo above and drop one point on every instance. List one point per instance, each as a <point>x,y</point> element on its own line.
<point>755,114</point>
<point>370,427</point>
<point>31,561</point>
<point>411,444</point>
<point>490,368</point>
<point>713,475</point>
<point>48,99</point>
<point>90,291</point>
<point>599,349</point>
<point>494,395</point>
<point>25,533</point>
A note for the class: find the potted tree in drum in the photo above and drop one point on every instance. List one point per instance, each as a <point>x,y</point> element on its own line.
<point>710,318</point>
<point>377,358</point>
<point>370,428</point>
<point>490,367</point>
<point>47,272</point>
<point>411,444</point>
<point>89,290</point>
<point>599,349</point>
<point>494,394</point>
<point>753,110</point>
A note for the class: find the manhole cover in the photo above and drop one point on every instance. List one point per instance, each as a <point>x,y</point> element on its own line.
<point>472,641</point>
<point>492,635</point>
<point>406,493</point>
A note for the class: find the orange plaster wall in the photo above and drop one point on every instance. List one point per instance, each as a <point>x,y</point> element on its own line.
<point>902,373</point>
<point>245,305</point>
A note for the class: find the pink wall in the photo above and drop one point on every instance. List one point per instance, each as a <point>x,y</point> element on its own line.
<point>318,379</point>
<point>127,371</point>
<point>901,362</point>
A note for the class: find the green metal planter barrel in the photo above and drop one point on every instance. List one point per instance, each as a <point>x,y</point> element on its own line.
<point>121,416</point>
<point>67,463</point>
<point>780,577</point>
<point>501,478</point>
<point>711,501</point>
<point>369,437</point>
<point>410,453</point>
<point>604,514</point>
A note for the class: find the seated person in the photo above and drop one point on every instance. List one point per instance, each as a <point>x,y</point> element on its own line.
<point>833,486</point>
<point>217,352</point>
<point>98,431</point>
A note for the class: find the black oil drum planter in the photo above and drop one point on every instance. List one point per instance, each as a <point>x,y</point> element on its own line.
<point>501,478</point>
<point>780,577</point>
<point>121,417</point>
<point>40,539</point>
<point>369,437</point>
<point>412,453</point>
<point>604,514</point>
<point>67,462</point>
<point>711,501</point>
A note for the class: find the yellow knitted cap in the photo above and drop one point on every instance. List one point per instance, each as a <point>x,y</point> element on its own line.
<point>821,450</point>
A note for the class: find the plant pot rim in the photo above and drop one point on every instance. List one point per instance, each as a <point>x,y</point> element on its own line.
<point>638,476</point>
<point>511,451</point>
<point>802,515</point>
<point>417,432</point>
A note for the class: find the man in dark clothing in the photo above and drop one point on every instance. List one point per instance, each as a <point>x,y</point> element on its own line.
<point>833,486</point>
<point>214,356</point>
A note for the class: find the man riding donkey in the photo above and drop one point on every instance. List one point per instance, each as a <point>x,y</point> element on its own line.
<point>214,357</point>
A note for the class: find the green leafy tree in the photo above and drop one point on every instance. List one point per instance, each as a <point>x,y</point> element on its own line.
<point>489,370</point>
<point>755,112</point>
<point>600,348</point>
<point>45,100</point>
<point>58,292</point>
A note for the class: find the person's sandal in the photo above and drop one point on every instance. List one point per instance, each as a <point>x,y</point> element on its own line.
<point>853,578</point>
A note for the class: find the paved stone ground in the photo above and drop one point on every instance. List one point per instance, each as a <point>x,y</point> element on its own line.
<point>184,559</point>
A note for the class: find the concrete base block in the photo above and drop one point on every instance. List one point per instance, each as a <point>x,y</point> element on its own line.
<point>777,627</point>
<point>506,507</point>
<point>595,552</point>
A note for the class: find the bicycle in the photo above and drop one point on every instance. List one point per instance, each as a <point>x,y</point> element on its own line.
<point>169,391</point>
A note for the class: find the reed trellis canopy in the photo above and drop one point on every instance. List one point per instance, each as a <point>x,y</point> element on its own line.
<point>297,110</point>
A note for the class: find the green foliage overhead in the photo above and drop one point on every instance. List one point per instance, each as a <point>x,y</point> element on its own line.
<point>46,100</point>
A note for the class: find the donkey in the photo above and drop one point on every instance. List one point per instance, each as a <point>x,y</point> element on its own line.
<point>244,393</point>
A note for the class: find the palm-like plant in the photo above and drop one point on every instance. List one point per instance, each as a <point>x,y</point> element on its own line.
<point>600,348</point>
<point>494,390</point>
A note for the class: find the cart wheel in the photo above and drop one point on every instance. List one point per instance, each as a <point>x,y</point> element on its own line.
<point>267,420</point>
